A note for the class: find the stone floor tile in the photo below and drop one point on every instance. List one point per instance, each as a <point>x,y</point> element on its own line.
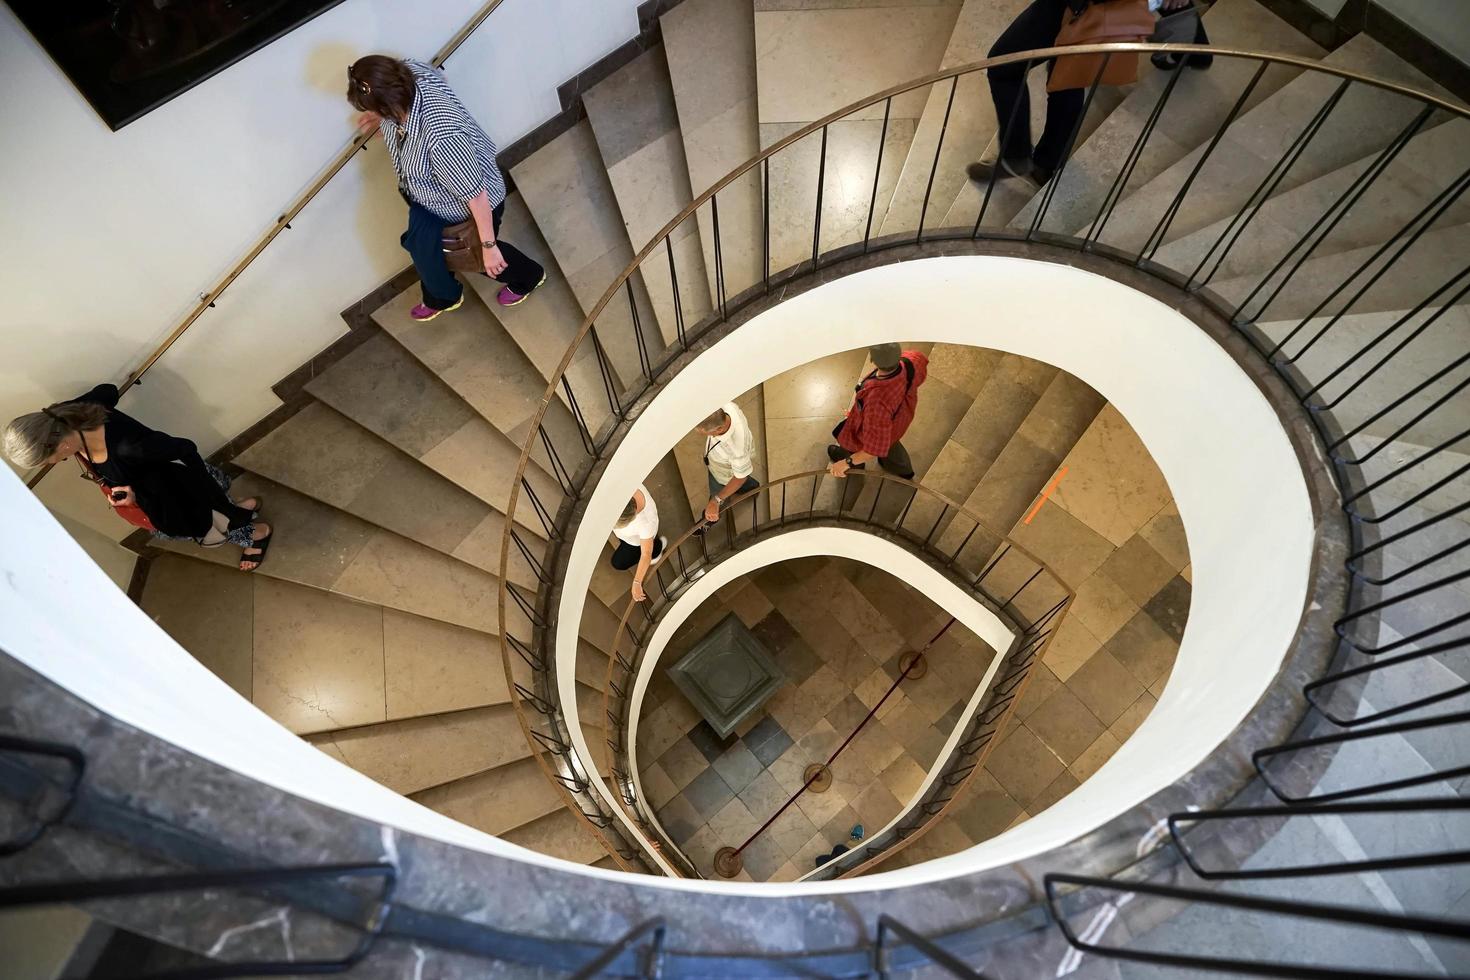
<point>708,793</point>
<point>903,777</point>
<point>763,796</point>
<point>429,666</point>
<point>876,746</point>
<point>847,714</point>
<point>1138,570</point>
<point>908,725</point>
<point>838,827</point>
<point>412,755</point>
<point>1144,648</point>
<point>1072,549</point>
<point>1105,686</point>
<point>1102,606</point>
<point>658,788</point>
<point>1039,687</point>
<point>751,605</point>
<point>1093,757</point>
<point>787,872</point>
<point>806,856</point>
<point>1112,485</point>
<point>798,661</point>
<point>680,819</point>
<point>819,741</point>
<point>1069,648</point>
<point>825,689</point>
<point>876,806</point>
<point>820,807</point>
<point>851,769</point>
<point>763,857</point>
<point>1023,765</point>
<point>709,742</point>
<point>764,729</point>
<point>983,809</point>
<point>872,688</point>
<point>1058,788</point>
<point>318,658</point>
<point>1132,717</point>
<point>1170,607</point>
<point>701,849</point>
<point>791,830</point>
<point>771,749</point>
<point>191,600</point>
<point>790,769</point>
<point>927,747</point>
<point>682,762</point>
<point>1165,533</point>
<point>1065,725</point>
<point>775,631</point>
<point>737,767</point>
<point>734,822</point>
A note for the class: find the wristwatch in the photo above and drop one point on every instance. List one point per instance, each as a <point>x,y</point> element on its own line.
<point>488,244</point>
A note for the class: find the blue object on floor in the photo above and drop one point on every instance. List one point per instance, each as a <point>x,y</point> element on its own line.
<point>857,831</point>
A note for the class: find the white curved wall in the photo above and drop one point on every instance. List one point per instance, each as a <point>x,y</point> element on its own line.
<point>1232,471</point>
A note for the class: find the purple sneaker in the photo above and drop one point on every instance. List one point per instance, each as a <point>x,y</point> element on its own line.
<point>509,297</point>
<point>424,314</point>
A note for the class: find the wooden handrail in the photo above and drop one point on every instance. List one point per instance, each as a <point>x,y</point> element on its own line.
<point>283,222</point>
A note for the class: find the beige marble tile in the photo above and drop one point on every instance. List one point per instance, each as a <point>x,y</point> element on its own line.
<point>1070,647</point>
<point>1023,766</point>
<point>481,548</point>
<point>395,572</point>
<point>615,323</point>
<point>734,822</point>
<point>693,303</point>
<point>209,611</point>
<point>1138,570</point>
<point>814,61</point>
<point>1102,606</point>
<point>566,187</point>
<point>432,667</point>
<point>632,107</point>
<point>1055,790</point>
<point>1112,483</point>
<point>409,498</point>
<point>1065,724</point>
<point>483,461</point>
<point>1132,717</point>
<point>318,658</point>
<point>1105,686</point>
<point>562,834</point>
<point>1165,534</point>
<point>1010,486</point>
<point>903,777</point>
<point>1093,757</point>
<point>821,388</point>
<point>1073,550</point>
<point>498,801</point>
<point>1145,649</point>
<point>407,756</point>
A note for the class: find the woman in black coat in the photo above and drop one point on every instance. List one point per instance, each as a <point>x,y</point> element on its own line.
<point>163,476</point>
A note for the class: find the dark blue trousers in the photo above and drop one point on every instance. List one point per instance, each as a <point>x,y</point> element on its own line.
<point>441,289</point>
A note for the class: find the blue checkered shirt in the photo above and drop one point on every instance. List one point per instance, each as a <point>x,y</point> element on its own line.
<point>442,156</point>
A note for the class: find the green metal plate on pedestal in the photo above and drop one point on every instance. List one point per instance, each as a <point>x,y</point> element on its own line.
<point>728,675</point>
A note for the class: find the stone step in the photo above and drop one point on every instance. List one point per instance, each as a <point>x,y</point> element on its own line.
<point>420,753</point>
<point>560,833</point>
<point>314,661</point>
<point>382,388</point>
<point>636,125</point>
<point>812,60</point>
<point>566,188</point>
<point>1426,166</point>
<point>326,455</point>
<point>1365,120</point>
<point>329,549</point>
<point>710,48</point>
<point>497,801</point>
<point>970,127</point>
<point>1317,288</point>
<point>469,353</point>
<point>1199,103</point>
<point>543,328</point>
<point>802,406</point>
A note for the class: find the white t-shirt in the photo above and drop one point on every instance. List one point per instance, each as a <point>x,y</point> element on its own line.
<point>644,525</point>
<point>729,454</point>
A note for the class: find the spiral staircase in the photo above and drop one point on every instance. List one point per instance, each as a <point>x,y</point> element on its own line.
<point>1305,210</point>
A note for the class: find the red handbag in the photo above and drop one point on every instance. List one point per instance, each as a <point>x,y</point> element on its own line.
<point>131,513</point>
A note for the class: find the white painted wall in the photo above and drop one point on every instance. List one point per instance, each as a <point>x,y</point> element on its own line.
<point>1219,445</point>
<point>106,239</point>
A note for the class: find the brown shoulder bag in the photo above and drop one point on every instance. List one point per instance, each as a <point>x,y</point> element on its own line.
<point>1100,22</point>
<point>462,249</point>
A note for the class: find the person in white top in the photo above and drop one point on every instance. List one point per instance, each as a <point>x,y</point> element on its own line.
<point>639,542</point>
<point>728,451</point>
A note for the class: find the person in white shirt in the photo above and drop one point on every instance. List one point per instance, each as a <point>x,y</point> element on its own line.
<point>728,451</point>
<point>639,542</point>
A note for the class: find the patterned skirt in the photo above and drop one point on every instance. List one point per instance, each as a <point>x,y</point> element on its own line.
<point>240,537</point>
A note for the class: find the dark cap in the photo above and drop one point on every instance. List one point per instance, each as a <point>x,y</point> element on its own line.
<point>885,357</point>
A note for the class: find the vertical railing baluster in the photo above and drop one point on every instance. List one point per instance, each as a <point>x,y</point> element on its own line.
<point>714,210</point>
<point>1056,177</point>
<point>643,361</point>
<point>678,300</point>
<point>877,170</point>
<point>934,169</point>
<point>766,223</point>
<point>821,186</point>
<point>1000,149</point>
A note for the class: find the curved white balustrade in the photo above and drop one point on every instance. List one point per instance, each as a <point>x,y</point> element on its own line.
<point>1219,444</point>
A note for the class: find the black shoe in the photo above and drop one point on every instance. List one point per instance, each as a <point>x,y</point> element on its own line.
<point>981,171</point>
<point>1169,60</point>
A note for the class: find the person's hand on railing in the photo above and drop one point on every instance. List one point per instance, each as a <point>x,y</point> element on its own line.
<point>368,121</point>
<point>712,512</point>
<point>638,594</point>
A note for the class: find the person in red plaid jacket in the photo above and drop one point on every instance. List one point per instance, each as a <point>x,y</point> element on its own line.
<point>882,409</point>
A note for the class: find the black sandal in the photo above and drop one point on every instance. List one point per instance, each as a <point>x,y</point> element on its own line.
<point>264,545</point>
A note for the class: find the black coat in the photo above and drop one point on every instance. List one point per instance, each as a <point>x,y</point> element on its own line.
<point>167,474</point>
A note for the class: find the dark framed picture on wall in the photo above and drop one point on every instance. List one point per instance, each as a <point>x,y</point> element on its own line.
<point>128,57</point>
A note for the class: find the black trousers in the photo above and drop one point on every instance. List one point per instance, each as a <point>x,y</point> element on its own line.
<point>1034,27</point>
<point>626,556</point>
<point>441,289</point>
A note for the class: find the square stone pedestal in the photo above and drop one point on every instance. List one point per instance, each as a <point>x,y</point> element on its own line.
<point>727,675</point>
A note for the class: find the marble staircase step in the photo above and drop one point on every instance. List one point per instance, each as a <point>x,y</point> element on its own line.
<point>710,49</point>
<point>971,122</point>
<point>566,188</point>
<point>496,801</point>
<point>420,753</point>
<point>1427,165</point>
<point>545,326</point>
<point>1199,103</point>
<point>1317,288</point>
<point>636,125</point>
<point>802,406</point>
<point>329,549</point>
<point>469,353</point>
<point>812,60</point>
<point>560,833</point>
<point>324,454</point>
<point>382,388</point>
<point>1366,119</point>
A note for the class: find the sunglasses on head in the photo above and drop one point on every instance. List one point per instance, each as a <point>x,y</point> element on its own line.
<point>362,87</point>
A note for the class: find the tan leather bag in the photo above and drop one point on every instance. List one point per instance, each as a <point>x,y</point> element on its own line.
<point>462,249</point>
<point>1101,22</point>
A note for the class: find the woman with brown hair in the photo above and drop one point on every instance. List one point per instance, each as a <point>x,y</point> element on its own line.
<point>446,172</point>
<point>156,481</point>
